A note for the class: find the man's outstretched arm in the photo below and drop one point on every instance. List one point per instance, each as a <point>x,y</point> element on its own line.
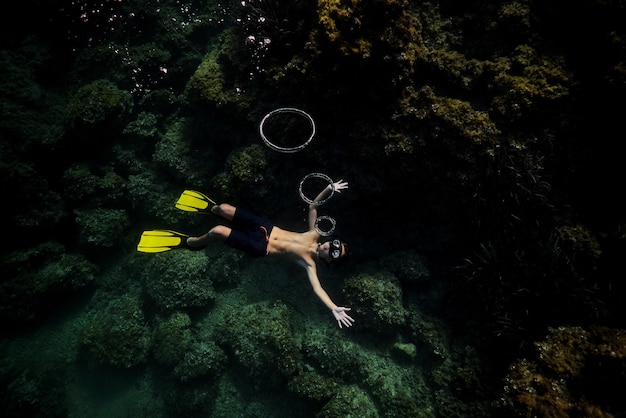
<point>338,186</point>
<point>339,312</point>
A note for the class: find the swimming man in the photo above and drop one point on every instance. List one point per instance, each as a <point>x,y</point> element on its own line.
<point>258,237</point>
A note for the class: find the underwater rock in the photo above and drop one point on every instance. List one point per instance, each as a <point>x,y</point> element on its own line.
<point>349,401</point>
<point>203,359</point>
<point>408,266</point>
<point>314,386</point>
<point>96,110</point>
<point>172,338</point>
<point>117,335</point>
<point>574,373</point>
<point>259,338</point>
<point>144,127</point>
<point>101,227</point>
<point>40,278</point>
<point>176,154</point>
<point>178,280</point>
<point>83,184</point>
<point>245,174</point>
<point>377,297</point>
<point>22,182</point>
<point>404,351</point>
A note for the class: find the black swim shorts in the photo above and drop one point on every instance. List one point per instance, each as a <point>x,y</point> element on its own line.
<point>250,233</point>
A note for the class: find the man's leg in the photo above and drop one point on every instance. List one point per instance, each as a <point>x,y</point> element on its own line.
<point>218,232</point>
<point>224,210</point>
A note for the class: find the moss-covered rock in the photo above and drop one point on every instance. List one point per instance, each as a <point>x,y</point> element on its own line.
<point>34,393</point>
<point>527,81</point>
<point>333,355</point>
<point>572,374</point>
<point>377,298</point>
<point>40,278</point>
<point>245,173</point>
<point>84,184</point>
<point>429,333</point>
<point>98,108</point>
<point>178,280</point>
<point>356,28</point>
<point>259,338</point>
<point>314,386</point>
<point>226,266</point>
<point>102,227</point>
<point>349,401</point>
<point>408,266</point>
<point>176,154</point>
<point>117,335</point>
<point>189,400</point>
<point>145,127</point>
<point>151,197</point>
<point>32,113</point>
<point>462,383</point>
<point>581,246</point>
<point>172,338</point>
<point>22,182</point>
<point>202,360</point>
<point>212,86</point>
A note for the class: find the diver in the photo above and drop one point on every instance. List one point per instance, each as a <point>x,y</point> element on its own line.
<point>259,237</point>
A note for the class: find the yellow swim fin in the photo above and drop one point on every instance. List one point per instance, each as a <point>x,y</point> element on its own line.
<point>193,201</point>
<point>159,240</point>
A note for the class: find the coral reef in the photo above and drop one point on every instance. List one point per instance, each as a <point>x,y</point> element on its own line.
<point>482,143</point>
<point>428,333</point>
<point>151,197</point>
<point>462,383</point>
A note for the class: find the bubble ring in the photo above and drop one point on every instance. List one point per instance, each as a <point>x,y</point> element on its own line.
<point>286,110</point>
<point>333,223</point>
<point>323,177</point>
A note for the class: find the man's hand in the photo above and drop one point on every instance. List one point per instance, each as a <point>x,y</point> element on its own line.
<point>339,185</point>
<point>342,317</point>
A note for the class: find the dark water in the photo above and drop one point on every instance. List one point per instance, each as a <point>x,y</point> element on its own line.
<point>482,144</point>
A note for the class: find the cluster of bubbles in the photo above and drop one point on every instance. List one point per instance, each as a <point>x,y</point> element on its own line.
<point>112,23</point>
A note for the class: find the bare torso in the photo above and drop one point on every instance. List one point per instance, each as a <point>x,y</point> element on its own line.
<point>299,246</point>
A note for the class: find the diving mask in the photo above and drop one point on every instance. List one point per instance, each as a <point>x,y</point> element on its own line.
<point>335,249</point>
